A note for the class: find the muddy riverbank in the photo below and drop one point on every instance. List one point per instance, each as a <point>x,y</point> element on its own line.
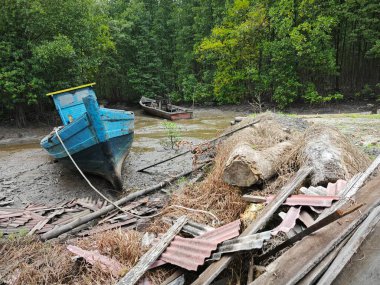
<point>29,175</point>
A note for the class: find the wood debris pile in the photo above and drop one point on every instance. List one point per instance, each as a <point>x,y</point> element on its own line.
<point>39,219</point>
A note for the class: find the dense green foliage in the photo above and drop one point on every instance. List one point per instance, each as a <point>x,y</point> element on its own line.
<point>226,51</point>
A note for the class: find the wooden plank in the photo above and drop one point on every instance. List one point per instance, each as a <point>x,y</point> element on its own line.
<point>126,208</point>
<point>321,267</point>
<point>6,216</point>
<point>108,227</point>
<point>299,260</point>
<point>351,247</point>
<point>82,220</point>
<point>5,203</point>
<point>217,267</point>
<point>41,224</point>
<point>308,231</point>
<point>152,254</point>
<point>254,199</point>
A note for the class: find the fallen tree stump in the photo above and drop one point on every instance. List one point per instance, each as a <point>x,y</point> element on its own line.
<point>331,155</point>
<point>247,166</point>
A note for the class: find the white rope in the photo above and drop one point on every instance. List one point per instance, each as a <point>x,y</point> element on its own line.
<point>108,200</point>
<point>196,210</point>
<point>84,176</point>
<point>215,218</point>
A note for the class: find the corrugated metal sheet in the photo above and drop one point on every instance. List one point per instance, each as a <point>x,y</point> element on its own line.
<point>189,253</point>
<point>14,219</point>
<point>308,200</point>
<point>193,228</point>
<point>94,257</point>
<point>336,188</point>
<point>314,190</point>
<point>223,233</point>
<point>332,189</point>
<point>289,221</point>
<point>243,243</point>
<point>306,219</point>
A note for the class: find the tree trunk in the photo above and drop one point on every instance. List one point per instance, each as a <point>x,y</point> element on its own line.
<point>331,155</point>
<point>20,116</point>
<point>246,166</point>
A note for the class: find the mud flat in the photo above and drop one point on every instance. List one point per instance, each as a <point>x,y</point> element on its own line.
<point>29,175</point>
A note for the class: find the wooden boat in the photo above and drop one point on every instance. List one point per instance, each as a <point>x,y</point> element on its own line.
<point>98,139</point>
<point>163,109</point>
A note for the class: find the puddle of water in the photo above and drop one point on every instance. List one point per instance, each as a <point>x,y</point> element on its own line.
<point>141,149</point>
<point>18,147</point>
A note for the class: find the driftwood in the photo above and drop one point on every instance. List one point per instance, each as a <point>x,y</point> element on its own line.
<point>246,166</point>
<point>82,220</point>
<point>217,267</point>
<point>152,254</point>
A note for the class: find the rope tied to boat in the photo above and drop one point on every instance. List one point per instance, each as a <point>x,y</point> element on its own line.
<point>84,176</point>
<point>115,205</point>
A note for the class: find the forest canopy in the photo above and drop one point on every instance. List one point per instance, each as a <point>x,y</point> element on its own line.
<point>222,51</point>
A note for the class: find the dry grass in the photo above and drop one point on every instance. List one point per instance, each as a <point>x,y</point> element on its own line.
<point>212,195</point>
<point>26,260</point>
<point>29,261</point>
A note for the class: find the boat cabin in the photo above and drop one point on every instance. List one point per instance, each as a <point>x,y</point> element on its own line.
<point>69,102</point>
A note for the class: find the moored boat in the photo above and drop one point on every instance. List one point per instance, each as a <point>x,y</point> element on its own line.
<point>98,139</point>
<point>163,109</point>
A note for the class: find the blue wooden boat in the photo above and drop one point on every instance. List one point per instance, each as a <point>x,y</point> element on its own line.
<point>98,139</point>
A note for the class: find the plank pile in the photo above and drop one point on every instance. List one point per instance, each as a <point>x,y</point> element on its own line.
<point>39,219</point>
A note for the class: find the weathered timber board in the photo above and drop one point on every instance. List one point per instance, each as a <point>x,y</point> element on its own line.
<point>295,263</point>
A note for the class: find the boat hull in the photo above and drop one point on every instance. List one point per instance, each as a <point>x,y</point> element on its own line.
<point>182,113</point>
<point>98,140</point>
<point>104,159</point>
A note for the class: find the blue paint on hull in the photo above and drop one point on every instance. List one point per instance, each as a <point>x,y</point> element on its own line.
<point>99,139</point>
<point>104,159</point>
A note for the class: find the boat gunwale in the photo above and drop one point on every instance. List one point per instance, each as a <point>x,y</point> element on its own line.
<point>183,110</point>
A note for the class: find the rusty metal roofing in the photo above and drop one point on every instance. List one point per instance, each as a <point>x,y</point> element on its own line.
<point>288,222</point>
<point>306,219</point>
<point>242,243</point>
<point>189,253</point>
<point>332,189</point>
<point>193,228</point>
<point>308,200</point>
<point>336,188</point>
<point>223,233</point>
